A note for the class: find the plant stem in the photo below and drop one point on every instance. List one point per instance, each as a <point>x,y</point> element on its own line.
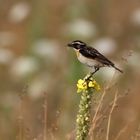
<point>83,117</point>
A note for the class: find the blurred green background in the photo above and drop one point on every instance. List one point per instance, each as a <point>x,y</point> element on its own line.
<point>38,72</point>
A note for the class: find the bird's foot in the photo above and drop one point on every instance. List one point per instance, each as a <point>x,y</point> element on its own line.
<point>88,77</point>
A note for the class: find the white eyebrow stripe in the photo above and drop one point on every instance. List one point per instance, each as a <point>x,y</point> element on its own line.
<point>77,43</point>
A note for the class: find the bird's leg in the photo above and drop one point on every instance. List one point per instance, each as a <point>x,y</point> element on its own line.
<point>92,73</point>
<point>96,69</point>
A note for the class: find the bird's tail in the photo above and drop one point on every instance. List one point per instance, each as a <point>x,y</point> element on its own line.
<point>118,69</point>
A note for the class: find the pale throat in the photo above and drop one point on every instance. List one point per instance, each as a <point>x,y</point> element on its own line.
<point>77,52</point>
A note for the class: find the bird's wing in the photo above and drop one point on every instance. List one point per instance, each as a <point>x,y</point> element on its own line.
<point>94,54</point>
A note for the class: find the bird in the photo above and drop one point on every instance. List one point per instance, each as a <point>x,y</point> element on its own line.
<point>91,57</point>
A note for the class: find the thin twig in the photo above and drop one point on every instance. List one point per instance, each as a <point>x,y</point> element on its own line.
<point>95,118</point>
<point>96,113</point>
<point>20,121</point>
<point>45,118</point>
<point>110,114</point>
<point>121,131</point>
<point>22,97</point>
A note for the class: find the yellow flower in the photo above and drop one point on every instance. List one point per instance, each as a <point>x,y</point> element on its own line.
<point>83,85</point>
<point>94,84</point>
<point>91,84</point>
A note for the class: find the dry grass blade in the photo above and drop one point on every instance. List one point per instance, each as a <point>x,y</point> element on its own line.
<point>110,114</point>
<point>45,117</point>
<point>95,118</point>
<point>121,132</point>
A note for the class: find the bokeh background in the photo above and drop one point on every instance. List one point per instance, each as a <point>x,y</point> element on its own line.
<point>38,73</point>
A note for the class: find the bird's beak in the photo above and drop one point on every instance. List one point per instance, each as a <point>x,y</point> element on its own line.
<point>69,45</point>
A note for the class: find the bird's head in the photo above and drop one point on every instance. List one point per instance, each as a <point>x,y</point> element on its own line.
<point>77,44</point>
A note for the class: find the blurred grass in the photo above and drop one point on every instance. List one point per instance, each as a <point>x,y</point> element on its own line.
<point>57,70</point>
